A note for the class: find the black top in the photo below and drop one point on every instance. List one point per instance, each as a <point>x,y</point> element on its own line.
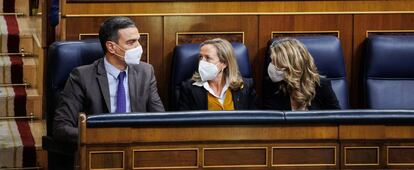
<point>275,99</point>
<point>195,98</point>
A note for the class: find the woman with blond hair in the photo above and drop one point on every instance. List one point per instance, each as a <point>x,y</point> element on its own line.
<point>294,82</point>
<point>218,84</point>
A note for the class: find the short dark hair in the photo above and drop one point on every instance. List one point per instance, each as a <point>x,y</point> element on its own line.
<point>109,29</point>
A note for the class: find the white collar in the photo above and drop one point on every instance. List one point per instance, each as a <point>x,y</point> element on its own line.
<point>112,70</point>
<point>210,90</point>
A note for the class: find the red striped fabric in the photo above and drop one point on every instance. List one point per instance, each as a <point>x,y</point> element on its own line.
<point>20,98</point>
<point>13,42</point>
<point>13,38</point>
<point>29,149</point>
<point>16,69</point>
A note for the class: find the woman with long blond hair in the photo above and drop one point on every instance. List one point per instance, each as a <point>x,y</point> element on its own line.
<point>293,81</point>
<point>218,84</point>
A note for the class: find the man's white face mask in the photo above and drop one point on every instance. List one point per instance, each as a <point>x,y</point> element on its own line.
<point>208,71</point>
<point>275,74</point>
<point>132,56</point>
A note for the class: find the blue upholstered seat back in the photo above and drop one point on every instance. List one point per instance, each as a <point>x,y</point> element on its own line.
<point>329,59</point>
<point>185,62</point>
<point>63,57</point>
<point>389,78</point>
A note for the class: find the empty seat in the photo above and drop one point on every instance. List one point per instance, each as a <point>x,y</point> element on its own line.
<point>389,72</point>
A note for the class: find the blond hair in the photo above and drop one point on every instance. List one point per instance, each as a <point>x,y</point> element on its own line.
<point>301,74</point>
<point>226,55</point>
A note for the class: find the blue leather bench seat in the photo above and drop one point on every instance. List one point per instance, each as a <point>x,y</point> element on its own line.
<point>185,118</point>
<point>250,117</point>
<point>351,116</point>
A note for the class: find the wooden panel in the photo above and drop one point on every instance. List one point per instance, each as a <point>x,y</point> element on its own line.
<point>399,132</point>
<point>400,155</point>
<point>361,156</point>
<point>294,146</point>
<point>347,132</point>
<point>294,24</point>
<point>165,158</point>
<point>106,160</point>
<point>216,133</point>
<point>243,7</point>
<point>176,24</point>
<point>235,157</point>
<point>365,23</point>
<point>304,156</point>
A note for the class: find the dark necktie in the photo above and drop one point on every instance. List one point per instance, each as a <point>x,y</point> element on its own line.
<point>120,97</point>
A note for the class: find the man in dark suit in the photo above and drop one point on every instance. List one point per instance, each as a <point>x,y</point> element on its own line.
<point>118,83</point>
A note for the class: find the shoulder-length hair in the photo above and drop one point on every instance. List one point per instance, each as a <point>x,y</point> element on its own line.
<point>226,55</point>
<point>301,74</point>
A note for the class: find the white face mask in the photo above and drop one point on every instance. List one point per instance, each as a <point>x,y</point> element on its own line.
<point>275,74</point>
<point>132,56</point>
<point>208,71</point>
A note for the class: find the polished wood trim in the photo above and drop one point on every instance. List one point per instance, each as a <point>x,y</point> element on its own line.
<point>227,133</point>
<point>82,117</point>
<point>14,84</point>
<point>239,6</point>
<point>98,152</point>
<point>131,1</point>
<point>12,13</point>
<point>304,147</point>
<point>63,29</point>
<point>234,166</point>
<point>83,154</point>
<point>387,31</point>
<point>399,164</point>
<point>304,32</point>
<point>23,54</point>
<point>148,46</point>
<point>361,147</point>
<point>205,33</point>
<point>31,117</point>
<point>235,13</point>
<point>169,149</point>
<point>80,37</point>
<point>27,168</point>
